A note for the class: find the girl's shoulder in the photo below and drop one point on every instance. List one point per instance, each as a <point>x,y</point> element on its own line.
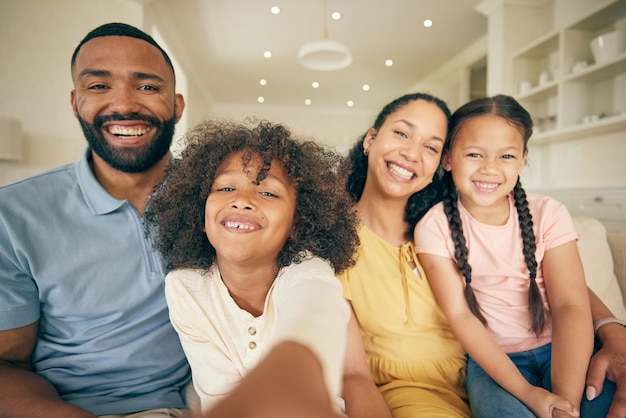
<point>191,279</point>
<point>544,205</point>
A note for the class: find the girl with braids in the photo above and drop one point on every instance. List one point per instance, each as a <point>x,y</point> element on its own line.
<point>505,268</point>
<point>413,356</point>
<point>252,223</point>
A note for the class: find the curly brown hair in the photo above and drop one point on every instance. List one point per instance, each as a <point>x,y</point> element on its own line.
<point>325,224</point>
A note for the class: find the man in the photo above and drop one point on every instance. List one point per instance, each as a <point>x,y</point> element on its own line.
<point>86,327</point>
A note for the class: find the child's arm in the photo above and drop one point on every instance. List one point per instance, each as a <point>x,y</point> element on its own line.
<point>447,285</point>
<point>362,397</point>
<point>287,383</point>
<point>572,330</point>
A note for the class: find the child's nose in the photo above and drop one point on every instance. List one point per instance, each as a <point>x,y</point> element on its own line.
<point>243,200</point>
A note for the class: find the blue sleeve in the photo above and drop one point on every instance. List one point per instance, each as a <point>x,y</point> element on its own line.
<point>19,295</point>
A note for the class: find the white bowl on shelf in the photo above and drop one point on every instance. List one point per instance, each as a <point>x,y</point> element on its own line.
<point>608,45</point>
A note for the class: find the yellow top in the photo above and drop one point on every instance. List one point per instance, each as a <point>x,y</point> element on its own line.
<point>412,353</point>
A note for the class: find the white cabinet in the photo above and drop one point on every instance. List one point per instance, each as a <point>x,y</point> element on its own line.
<point>556,79</point>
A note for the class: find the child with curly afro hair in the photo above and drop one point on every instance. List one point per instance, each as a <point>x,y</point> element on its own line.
<point>254,223</point>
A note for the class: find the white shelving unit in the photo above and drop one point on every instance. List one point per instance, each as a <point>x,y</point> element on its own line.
<point>575,101</point>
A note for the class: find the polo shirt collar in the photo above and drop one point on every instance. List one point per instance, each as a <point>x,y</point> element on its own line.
<point>100,202</point>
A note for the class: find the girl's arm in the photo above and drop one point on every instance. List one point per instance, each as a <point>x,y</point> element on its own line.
<point>572,330</point>
<point>362,397</point>
<point>447,285</point>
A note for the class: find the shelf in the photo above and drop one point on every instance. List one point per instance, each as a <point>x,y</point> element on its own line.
<point>582,130</point>
<point>607,69</point>
<point>604,16</point>
<point>538,93</point>
<point>540,47</point>
<point>598,88</point>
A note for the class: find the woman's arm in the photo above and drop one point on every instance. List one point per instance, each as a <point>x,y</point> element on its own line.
<point>610,360</point>
<point>362,397</point>
<point>572,331</point>
<point>447,285</point>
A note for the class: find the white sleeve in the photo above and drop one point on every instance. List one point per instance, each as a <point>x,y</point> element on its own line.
<point>314,313</point>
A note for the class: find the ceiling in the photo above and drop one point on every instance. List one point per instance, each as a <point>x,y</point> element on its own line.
<point>220,43</point>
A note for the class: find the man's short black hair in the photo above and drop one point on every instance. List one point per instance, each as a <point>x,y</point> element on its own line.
<point>120,29</point>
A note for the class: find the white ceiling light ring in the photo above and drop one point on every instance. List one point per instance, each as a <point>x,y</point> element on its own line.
<point>325,55</point>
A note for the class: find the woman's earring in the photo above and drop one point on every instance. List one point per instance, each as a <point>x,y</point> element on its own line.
<point>366,152</point>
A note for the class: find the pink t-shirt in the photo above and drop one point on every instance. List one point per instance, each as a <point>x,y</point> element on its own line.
<point>500,278</point>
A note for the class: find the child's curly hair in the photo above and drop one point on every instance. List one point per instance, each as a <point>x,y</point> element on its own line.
<point>325,223</point>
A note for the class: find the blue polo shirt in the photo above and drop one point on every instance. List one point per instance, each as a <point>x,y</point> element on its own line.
<point>78,260</point>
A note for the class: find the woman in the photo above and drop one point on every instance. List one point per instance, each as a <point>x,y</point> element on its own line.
<point>413,356</point>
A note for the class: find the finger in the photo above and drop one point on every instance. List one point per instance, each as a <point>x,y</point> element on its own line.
<point>565,406</point>
<point>596,374</point>
<point>618,406</point>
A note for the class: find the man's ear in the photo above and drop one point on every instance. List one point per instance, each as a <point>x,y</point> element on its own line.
<point>73,102</point>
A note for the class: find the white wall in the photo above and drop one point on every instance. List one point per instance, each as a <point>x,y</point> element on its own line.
<point>338,128</point>
<point>37,39</point>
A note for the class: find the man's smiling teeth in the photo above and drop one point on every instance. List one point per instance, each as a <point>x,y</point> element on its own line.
<point>123,131</point>
<point>238,225</point>
<point>400,171</point>
<point>486,186</point>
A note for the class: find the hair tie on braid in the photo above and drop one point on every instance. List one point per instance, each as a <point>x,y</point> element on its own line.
<point>468,279</point>
<point>533,275</point>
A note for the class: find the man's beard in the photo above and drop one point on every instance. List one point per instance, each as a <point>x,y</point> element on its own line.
<point>130,159</point>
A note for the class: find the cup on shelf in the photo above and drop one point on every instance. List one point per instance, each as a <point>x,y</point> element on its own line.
<point>544,78</point>
<point>608,45</point>
<point>579,66</point>
<point>525,85</point>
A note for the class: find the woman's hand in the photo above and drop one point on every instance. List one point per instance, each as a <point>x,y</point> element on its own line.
<point>609,363</point>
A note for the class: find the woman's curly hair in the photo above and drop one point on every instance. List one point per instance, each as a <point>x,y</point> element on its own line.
<point>325,223</point>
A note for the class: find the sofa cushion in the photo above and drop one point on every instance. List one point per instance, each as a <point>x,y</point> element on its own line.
<point>598,263</point>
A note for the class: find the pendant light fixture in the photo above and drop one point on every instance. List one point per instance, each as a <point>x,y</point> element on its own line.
<point>325,54</point>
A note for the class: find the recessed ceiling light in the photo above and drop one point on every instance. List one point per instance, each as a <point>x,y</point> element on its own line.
<point>315,84</point>
<point>307,102</point>
<point>428,23</point>
<point>336,15</point>
<point>366,87</point>
<point>260,99</point>
<point>267,54</point>
<point>262,81</point>
<point>389,63</point>
<point>275,10</point>
<point>350,103</point>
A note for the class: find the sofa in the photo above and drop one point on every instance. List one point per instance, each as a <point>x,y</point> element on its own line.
<point>604,260</point>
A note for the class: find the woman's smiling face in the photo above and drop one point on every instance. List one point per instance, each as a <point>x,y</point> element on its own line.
<point>405,152</point>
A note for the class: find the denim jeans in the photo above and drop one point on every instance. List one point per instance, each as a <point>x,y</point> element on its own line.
<point>489,400</point>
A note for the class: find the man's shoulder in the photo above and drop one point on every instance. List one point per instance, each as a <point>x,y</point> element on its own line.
<point>39,192</point>
<point>46,180</point>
